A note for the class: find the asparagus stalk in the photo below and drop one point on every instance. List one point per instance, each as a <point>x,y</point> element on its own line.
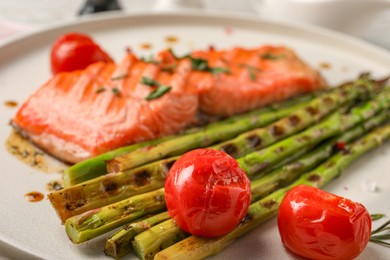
<point>196,247</point>
<point>255,139</point>
<point>115,187</point>
<point>334,125</point>
<point>96,166</point>
<point>147,244</point>
<point>202,138</point>
<point>119,243</point>
<point>95,222</point>
<point>146,247</point>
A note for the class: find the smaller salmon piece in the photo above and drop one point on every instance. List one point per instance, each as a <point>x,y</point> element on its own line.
<point>256,77</point>
<point>81,114</point>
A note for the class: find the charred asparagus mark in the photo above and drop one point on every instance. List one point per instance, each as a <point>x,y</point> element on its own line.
<point>73,206</point>
<point>108,187</point>
<point>312,110</point>
<point>269,204</point>
<point>142,178</point>
<point>328,101</point>
<point>294,120</point>
<point>230,149</point>
<point>277,130</point>
<point>343,93</point>
<point>254,141</point>
<point>314,178</point>
<point>303,138</point>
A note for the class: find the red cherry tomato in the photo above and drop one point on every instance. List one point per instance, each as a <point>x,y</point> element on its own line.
<point>319,225</point>
<point>75,51</point>
<point>206,192</point>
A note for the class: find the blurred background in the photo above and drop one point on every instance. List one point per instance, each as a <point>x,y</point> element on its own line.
<point>18,16</point>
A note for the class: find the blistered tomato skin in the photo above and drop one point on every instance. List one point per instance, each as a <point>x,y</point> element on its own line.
<point>206,192</point>
<point>318,225</point>
<point>75,51</point>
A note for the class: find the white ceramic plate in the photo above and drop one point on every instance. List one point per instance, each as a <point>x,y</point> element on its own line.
<point>35,230</point>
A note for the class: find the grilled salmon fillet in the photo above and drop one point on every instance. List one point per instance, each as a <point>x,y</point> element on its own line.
<point>80,114</point>
<point>252,78</point>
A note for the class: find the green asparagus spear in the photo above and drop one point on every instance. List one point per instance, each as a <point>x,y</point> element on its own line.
<point>147,244</point>
<point>147,247</point>
<point>196,247</point>
<point>96,166</point>
<point>334,125</point>
<point>255,139</point>
<point>93,223</point>
<point>119,243</point>
<point>202,138</point>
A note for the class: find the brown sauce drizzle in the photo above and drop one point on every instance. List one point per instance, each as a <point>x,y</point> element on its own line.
<point>34,196</point>
<point>171,39</point>
<point>325,65</point>
<point>11,103</point>
<point>29,154</point>
<point>146,46</point>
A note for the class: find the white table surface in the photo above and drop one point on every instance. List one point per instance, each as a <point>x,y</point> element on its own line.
<point>18,16</point>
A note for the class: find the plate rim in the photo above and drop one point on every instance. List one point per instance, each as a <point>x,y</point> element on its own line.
<point>185,13</point>
<point>25,36</point>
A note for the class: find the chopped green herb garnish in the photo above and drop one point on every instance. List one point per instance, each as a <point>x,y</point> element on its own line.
<point>173,54</point>
<point>202,65</point>
<point>150,59</point>
<point>199,64</point>
<point>124,75</point>
<point>251,70</point>
<point>158,92</point>
<point>218,70</point>
<point>100,89</point>
<point>170,68</point>
<point>115,91</point>
<point>270,56</point>
<point>149,82</point>
<point>252,75</point>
